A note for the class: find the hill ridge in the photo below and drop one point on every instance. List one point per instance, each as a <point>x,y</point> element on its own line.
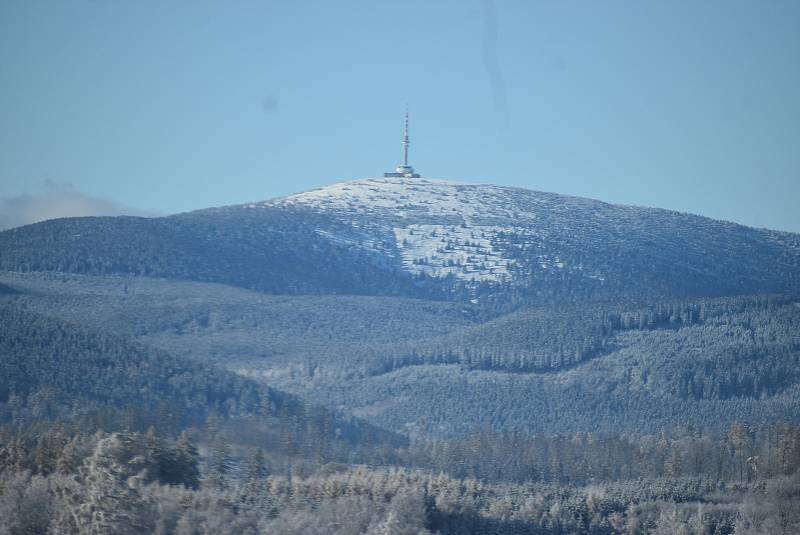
<point>433,239</point>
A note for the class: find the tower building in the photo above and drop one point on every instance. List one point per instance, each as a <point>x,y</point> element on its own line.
<point>404,170</point>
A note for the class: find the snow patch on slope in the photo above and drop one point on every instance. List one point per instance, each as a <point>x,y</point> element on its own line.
<point>471,232</point>
<point>467,252</point>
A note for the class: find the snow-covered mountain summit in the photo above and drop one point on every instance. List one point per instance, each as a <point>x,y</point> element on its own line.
<point>402,197</point>
<point>426,238</point>
<point>445,228</point>
<point>483,233</point>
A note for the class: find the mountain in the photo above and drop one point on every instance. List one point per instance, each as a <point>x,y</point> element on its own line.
<point>450,368</point>
<point>276,251</point>
<point>741,363</point>
<point>441,307</point>
<point>238,328</point>
<point>400,354</point>
<point>52,369</point>
<point>425,239</point>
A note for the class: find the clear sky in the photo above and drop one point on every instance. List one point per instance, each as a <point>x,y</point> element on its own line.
<point>167,106</point>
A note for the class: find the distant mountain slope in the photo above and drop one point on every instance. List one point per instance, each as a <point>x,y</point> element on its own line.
<point>276,251</point>
<point>544,244</point>
<point>237,327</point>
<point>67,361</point>
<point>561,337</point>
<point>428,239</point>
<point>450,368</point>
<point>742,363</point>
<point>54,369</point>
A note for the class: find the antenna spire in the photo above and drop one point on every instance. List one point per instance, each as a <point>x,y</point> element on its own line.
<point>404,170</point>
<point>406,142</point>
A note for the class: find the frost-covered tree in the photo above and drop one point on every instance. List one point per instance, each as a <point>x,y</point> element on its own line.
<point>220,464</point>
<point>110,478</point>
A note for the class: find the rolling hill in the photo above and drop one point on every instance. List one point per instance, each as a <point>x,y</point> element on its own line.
<point>425,239</point>
<point>449,368</point>
<point>52,369</point>
<point>439,307</point>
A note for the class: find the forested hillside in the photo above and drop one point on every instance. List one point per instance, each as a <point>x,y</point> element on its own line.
<point>397,362</point>
<point>547,339</point>
<point>400,357</point>
<point>741,362</point>
<point>240,328</point>
<point>591,447</point>
<point>426,239</point>
<point>278,252</point>
<point>52,370</point>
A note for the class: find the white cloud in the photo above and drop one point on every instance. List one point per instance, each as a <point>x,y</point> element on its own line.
<point>58,200</point>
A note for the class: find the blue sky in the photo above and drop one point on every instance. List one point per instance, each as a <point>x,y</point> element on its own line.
<point>172,106</point>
